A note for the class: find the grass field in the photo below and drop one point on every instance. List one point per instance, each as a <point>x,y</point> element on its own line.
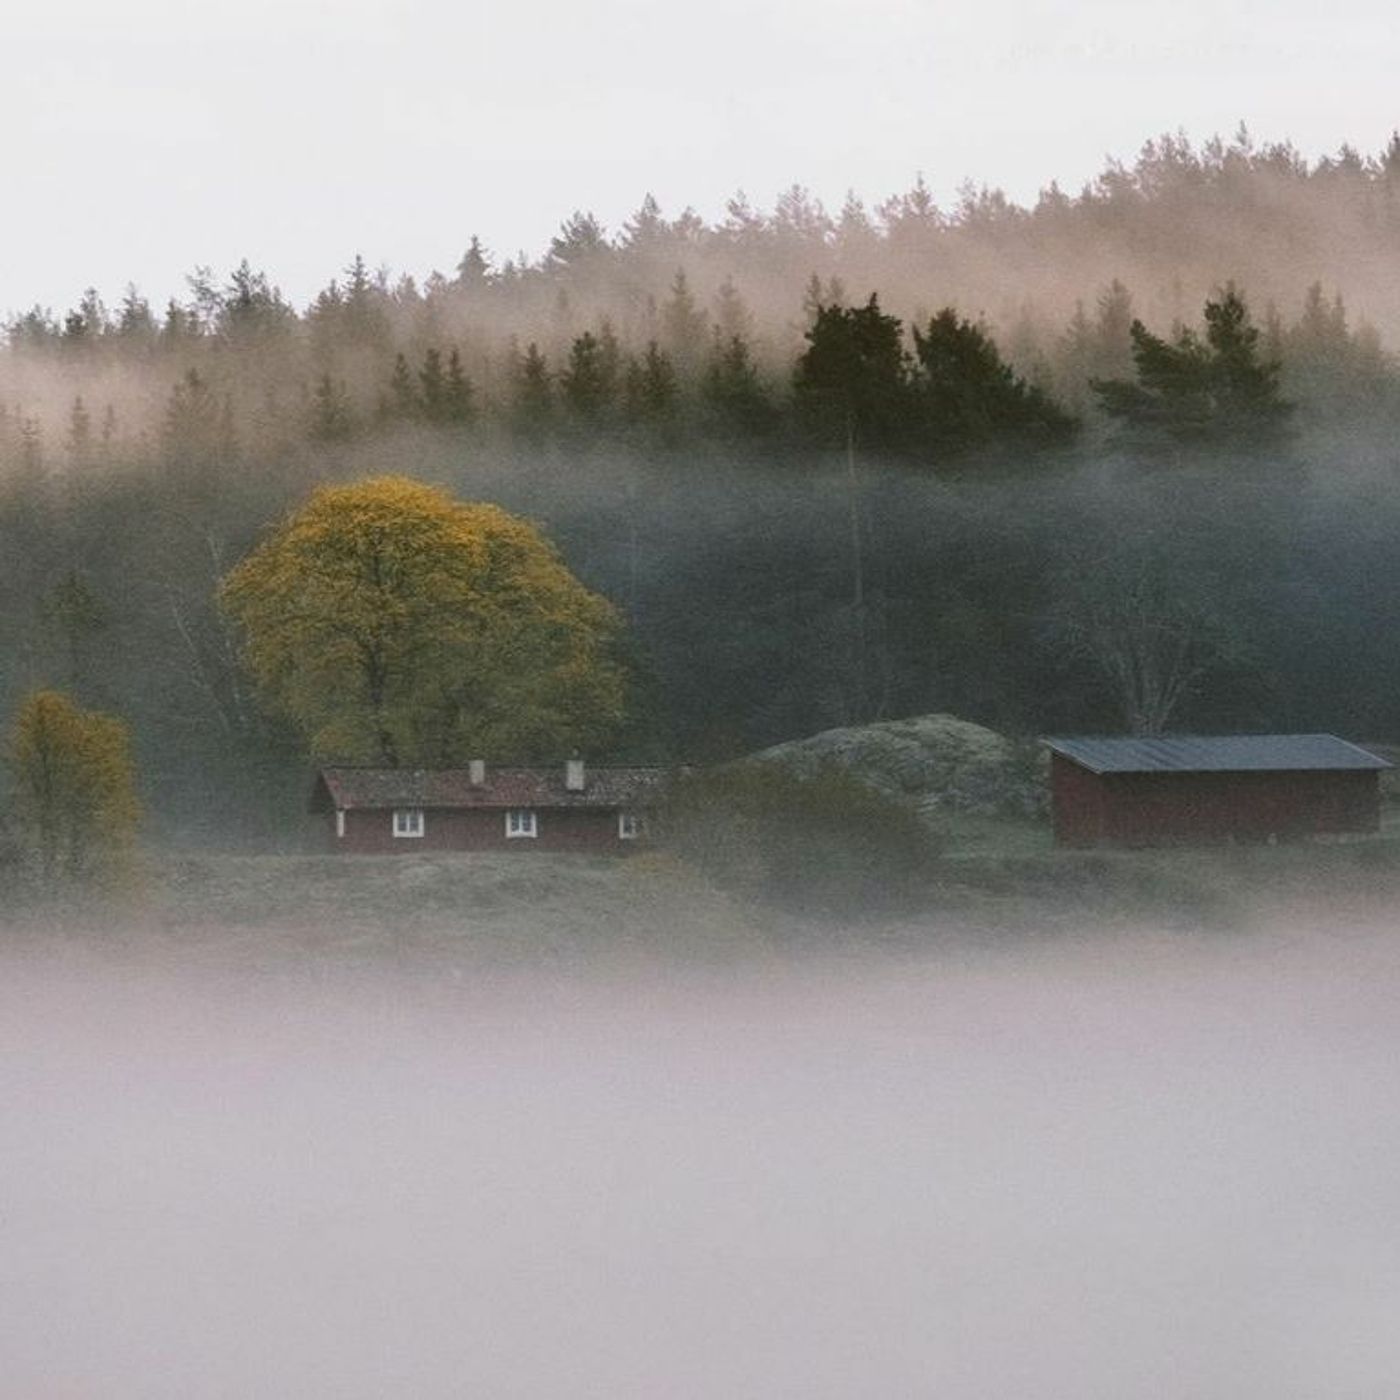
<point>999,881</point>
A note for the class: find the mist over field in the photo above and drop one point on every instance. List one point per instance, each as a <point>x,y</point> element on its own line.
<point>1152,1167</point>
<point>541,556</point>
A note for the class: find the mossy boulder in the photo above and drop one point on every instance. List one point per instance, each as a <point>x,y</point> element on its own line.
<point>938,763</point>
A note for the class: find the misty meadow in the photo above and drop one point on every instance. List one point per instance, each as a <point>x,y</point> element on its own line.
<point>773,547</point>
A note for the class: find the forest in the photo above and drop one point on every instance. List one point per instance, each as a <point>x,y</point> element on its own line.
<point>1120,461</point>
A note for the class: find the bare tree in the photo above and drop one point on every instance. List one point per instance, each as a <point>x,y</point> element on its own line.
<point>1151,633</point>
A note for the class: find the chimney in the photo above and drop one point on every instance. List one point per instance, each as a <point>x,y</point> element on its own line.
<point>476,772</point>
<point>573,775</point>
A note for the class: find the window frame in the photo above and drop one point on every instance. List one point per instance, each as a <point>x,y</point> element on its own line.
<point>408,823</point>
<point>522,824</point>
<point>629,826</point>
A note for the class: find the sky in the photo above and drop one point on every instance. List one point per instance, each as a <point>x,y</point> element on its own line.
<point>148,137</point>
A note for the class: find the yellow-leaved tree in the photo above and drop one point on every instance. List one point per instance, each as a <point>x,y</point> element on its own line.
<point>393,624</point>
<point>75,803</point>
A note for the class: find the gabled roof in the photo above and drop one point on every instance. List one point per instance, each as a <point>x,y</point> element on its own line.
<point>350,788</point>
<point>1233,753</point>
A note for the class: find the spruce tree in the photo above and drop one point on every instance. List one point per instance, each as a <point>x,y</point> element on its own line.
<point>458,396</point>
<point>474,270</point>
<point>332,419</point>
<point>79,433</point>
<point>969,397</point>
<point>683,326</point>
<point>532,395</point>
<point>403,400</point>
<point>735,401</point>
<point>651,389</point>
<point>853,380</point>
<point>433,387</point>
<point>588,383</point>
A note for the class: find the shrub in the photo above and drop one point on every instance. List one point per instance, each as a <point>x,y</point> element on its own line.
<point>816,842</point>
<point>75,808</point>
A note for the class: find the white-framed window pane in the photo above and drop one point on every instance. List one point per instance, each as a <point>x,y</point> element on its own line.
<point>520,822</point>
<point>408,821</point>
<point>628,826</point>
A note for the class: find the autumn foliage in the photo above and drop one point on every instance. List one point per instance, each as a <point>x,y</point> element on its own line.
<point>393,624</point>
<point>74,792</point>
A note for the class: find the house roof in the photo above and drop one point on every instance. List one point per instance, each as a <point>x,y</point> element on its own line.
<point>350,788</point>
<point>1234,753</point>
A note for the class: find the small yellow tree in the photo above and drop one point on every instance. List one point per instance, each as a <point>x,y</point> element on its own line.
<point>393,624</point>
<point>76,811</point>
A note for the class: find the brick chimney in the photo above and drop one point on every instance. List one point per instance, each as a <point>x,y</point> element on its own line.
<point>476,772</point>
<point>573,775</point>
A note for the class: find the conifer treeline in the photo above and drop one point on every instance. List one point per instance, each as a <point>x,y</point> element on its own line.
<point>674,328</point>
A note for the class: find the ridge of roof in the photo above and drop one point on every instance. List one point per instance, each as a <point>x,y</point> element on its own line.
<point>352,786</point>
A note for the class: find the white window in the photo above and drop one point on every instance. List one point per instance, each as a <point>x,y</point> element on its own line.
<point>629,826</point>
<point>520,823</point>
<point>340,822</point>
<point>408,821</point>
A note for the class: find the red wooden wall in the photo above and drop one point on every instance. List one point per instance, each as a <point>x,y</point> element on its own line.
<point>1148,809</point>
<point>562,829</point>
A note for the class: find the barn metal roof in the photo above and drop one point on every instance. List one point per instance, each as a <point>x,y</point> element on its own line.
<point>1233,753</point>
<point>349,788</point>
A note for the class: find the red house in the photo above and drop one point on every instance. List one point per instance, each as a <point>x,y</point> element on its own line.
<point>565,808</point>
<point>1192,790</point>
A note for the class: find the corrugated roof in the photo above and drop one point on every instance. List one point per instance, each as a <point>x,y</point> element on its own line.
<point>350,788</point>
<point>1231,753</point>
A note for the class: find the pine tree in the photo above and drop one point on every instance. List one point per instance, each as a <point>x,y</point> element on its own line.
<point>731,314</point>
<point>193,430</point>
<point>683,326</point>
<point>433,387</point>
<point>589,382</point>
<point>87,324</point>
<point>1215,390</point>
<point>365,314</point>
<point>532,395</point>
<point>580,243</point>
<point>458,396</point>
<point>332,418</point>
<point>853,380</point>
<point>136,327</point>
<point>969,396</point>
<point>651,389</point>
<point>179,329</point>
<point>403,401</point>
<point>109,432</point>
<point>736,403</point>
<point>474,270</point>
<point>31,453</point>
<point>79,433</point>
<point>1113,324</point>
<point>1333,371</point>
<point>74,612</point>
<point>1245,388</point>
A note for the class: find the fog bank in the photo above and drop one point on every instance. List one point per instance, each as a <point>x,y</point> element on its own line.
<point>1132,1169</point>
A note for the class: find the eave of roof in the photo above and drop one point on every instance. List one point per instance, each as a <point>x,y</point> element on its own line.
<point>1232,753</point>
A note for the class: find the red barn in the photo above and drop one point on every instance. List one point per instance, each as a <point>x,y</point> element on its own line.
<point>564,808</point>
<point>1248,787</point>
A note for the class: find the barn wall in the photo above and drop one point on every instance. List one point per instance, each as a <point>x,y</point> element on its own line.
<point>1145,809</point>
<point>1077,803</point>
<point>372,832</point>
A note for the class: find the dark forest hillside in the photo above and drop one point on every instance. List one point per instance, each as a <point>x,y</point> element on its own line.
<point>830,468</point>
